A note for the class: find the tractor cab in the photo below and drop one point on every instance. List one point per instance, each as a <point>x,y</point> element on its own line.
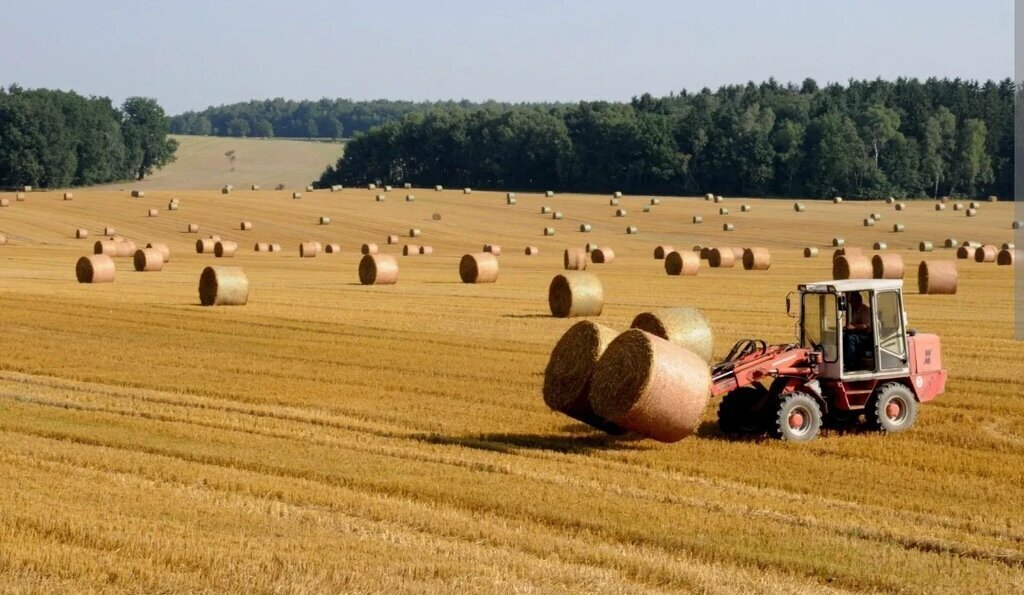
<point>858,327</point>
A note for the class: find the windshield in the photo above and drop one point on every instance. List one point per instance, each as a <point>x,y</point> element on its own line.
<point>820,324</point>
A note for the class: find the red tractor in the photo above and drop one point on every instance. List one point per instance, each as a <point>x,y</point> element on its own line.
<point>855,356</point>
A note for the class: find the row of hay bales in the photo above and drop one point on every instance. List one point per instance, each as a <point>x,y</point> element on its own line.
<point>934,277</point>
<point>652,379</point>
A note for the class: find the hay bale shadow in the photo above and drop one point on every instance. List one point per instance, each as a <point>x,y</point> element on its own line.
<point>510,443</point>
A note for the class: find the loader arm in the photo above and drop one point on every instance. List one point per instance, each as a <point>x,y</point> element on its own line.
<point>751,361</point>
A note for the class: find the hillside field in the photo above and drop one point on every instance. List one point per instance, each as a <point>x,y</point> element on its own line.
<point>201,163</point>
<point>334,437</point>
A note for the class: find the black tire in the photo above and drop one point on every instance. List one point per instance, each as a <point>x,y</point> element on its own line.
<point>893,408</point>
<point>797,417</point>
<point>741,411</point>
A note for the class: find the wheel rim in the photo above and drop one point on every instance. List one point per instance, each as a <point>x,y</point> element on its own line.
<point>896,410</point>
<point>799,420</point>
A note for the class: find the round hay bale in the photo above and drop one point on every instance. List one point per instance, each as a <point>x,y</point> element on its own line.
<point>371,186</point>
<point>531,251</point>
<point>975,205</point>
<point>192,228</point>
<point>880,246</point>
<point>549,193</point>
<point>685,264</point>
<point>655,201</point>
<point>757,259</point>
<point>556,215</point>
<point>510,201</point>
<point>890,200</point>
<point>378,269</point>
<point>620,212</point>
<point>887,266</point>
<point>478,268</point>
<point>745,208</point>
<point>810,252</point>
<point>697,219</point>
<point>5,202</point>
<point>153,213</point>
<point>261,247</point>
<point>719,198</point>
<point>436,217</point>
<point>204,246</point>
<point>296,195</point>
<point>407,185</point>
<point>493,249</point>
<point>256,187</point>
<point>509,195</point>
<point>414,233</point>
<point>721,258</point>
<point>225,249</point>
<point>1005,257</point>
<point>603,255</point>
<point>325,220</point>
<point>869,222</point>
<point>148,260</point>
<point>940,207</point>
<point>410,250</point>
<point>549,231</point>
<point>585,228</point>
<point>993,199</point>
<point>617,194</point>
<point>900,206</point>
<point>105,247</point>
<point>575,259</point>
<point>925,247</point>
<point>964,252</point>
<point>838,242</point>
<point>898,228</point>
<point>109,231</point>
<point>274,248</point>
<point>380,198</point>
<point>369,248</point>
<point>662,250</point>
<point>613,202</point>
<point>876,216</point>
<point>245,226</point>
<point>944,199</point>
<point>98,268</point>
<point>393,239</point>
<point>986,254</point>
<point>20,197</point>
<point>937,277</point>
<point>723,211</point>
<point>958,206</point>
<point>438,188</point>
<point>709,197</point>
<point>837,200</point>
<point>570,369</point>
<point>632,230</point>
<point>426,250</point>
<point>575,294</point>
<point>223,286</point>
<point>1017,225</point>
<point>81,233</point>
<point>138,194</point>
<point>225,190</point>
<point>410,198</point>
<point>1007,246</point>
<point>387,188</point>
<point>332,249</point>
<point>307,250</point>
<point>851,267</point>
<point>545,210</point>
<point>164,251</point>
<point>650,386</point>
<point>799,207</point>
<point>950,243</point>
<point>685,327</point>
<point>972,212</point>
<point>467,191</point>
<point>728,227</point>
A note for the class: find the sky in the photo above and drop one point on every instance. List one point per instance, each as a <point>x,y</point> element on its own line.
<point>191,54</point>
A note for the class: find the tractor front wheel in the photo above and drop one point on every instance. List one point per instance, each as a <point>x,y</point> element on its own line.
<point>741,412</point>
<point>892,409</point>
<point>797,417</point>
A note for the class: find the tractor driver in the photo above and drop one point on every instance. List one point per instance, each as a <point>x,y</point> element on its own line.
<point>857,333</point>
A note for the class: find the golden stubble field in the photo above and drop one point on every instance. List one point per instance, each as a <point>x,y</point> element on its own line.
<point>335,437</point>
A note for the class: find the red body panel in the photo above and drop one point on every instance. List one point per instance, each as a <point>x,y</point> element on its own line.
<point>927,378</point>
<point>776,360</point>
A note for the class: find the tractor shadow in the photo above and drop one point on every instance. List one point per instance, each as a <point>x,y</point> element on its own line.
<point>708,430</point>
<point>582,440</point>
<point>526,316</point>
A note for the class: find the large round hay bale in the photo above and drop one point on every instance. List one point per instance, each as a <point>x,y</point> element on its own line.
<point>620,212</point>
<point>296,195</point>
<point>549,193</point>
<point>125,249</point>
<point>838,242</point>
<point>799,207</point>
<point>105,247</point>
<point>614,202</point>
<point>869,222</point>
<point>661,251</point>
<point>223,286</point>
<point>986,254</point>
<point>757,259</point>
<point>575,259</point>
<point>937,277</point>
<point>900,206</point>
<point>81,233</point>
<point>617,194</point>
<point>20,197</point>
<point>164,251</point>
<point>950,243</point>
<point>545,210</point>
<point>380,198</point>
<point>1018,225</point>
<point>898,228</point>
<point>478,268</point>
<point>890,200</point>
<point>414,233</point>
<point>972,212</point>
<point>369,248</point>
<point>531,251</point>
<point>879,246</point>
<point>1005,257</point>
<point>410,198</point>
<point>940,207</point>
<point>876,216</point>
<point>307,250</point>
<point>204,246</point>
<point>810,252</point>
<point>697,219</point>
<point>493,249</point>
<point>225,190</point>
<point>426,250</point>
<point>256,187</point>
<point>723,211</point>
<point>728,227</point>
<point>965,252</point>
<point>721,258</point>
<point>975,205</point>
<point>467,191</point>
<point>378,269</point>
<point>958,206</point>
<point>837,200</point>
<point>925,247</point>
<point>556,215</point>
<point>153,213</point>
<point>574,294</point>
<point>438,188</point>
<point>686,264</point>
<point>138,194</point>
<point>549,231</point>
<point>274,248</point>
<point>109,231</point>
<point>887,266</point>
<point>410,250</point>
<point>225,249</point>
<point>603,255</point>
<point>655,201</point>
<point>685,327</point>
<point>993,199</point>
<point>332,249</point>
<point>148,260</point>
<point>98,268</point>
<point>650,386</point>
<point>570,369</point>
<point>261,247</point>
<point>851,267</point>
<point>585,228</point>
<point>632,230</point>
<point>393,239</point>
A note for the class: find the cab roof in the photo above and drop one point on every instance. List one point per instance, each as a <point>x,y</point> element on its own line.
<point>852,285</point>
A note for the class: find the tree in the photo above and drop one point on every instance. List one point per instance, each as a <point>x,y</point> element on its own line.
<point>938,139</point>
<point>238,127</point>
<point>972,162</point>
<point>880,124</point>
<point>145,127</point>
<point>835,155</point>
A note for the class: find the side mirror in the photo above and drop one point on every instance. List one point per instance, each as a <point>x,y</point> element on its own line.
<point>841,303</point>
<point>789,305</point>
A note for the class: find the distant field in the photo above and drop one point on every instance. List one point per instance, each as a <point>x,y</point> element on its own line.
<point>331,437</point>
<point>202,165</point>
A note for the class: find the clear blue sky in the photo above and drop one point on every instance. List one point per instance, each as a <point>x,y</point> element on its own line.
<point>190,54</point>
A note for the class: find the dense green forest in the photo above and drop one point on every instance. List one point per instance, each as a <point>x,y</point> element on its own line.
<point>55,139</point>
<point>905,138</point>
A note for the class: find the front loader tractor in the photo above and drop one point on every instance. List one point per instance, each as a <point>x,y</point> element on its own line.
<point>854,357</point>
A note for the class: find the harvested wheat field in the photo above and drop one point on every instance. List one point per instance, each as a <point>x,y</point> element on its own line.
<point>330,436</point>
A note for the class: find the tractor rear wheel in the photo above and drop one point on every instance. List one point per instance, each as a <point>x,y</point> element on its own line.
<point>892,409</point>
<point>741,411</point>
<point>797,417</point>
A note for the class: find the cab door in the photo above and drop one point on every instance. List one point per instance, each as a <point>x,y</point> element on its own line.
<point>890,334</point>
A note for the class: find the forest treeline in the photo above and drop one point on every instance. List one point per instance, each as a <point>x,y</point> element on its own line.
<point>904,138</point>
<point>57,139</point>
